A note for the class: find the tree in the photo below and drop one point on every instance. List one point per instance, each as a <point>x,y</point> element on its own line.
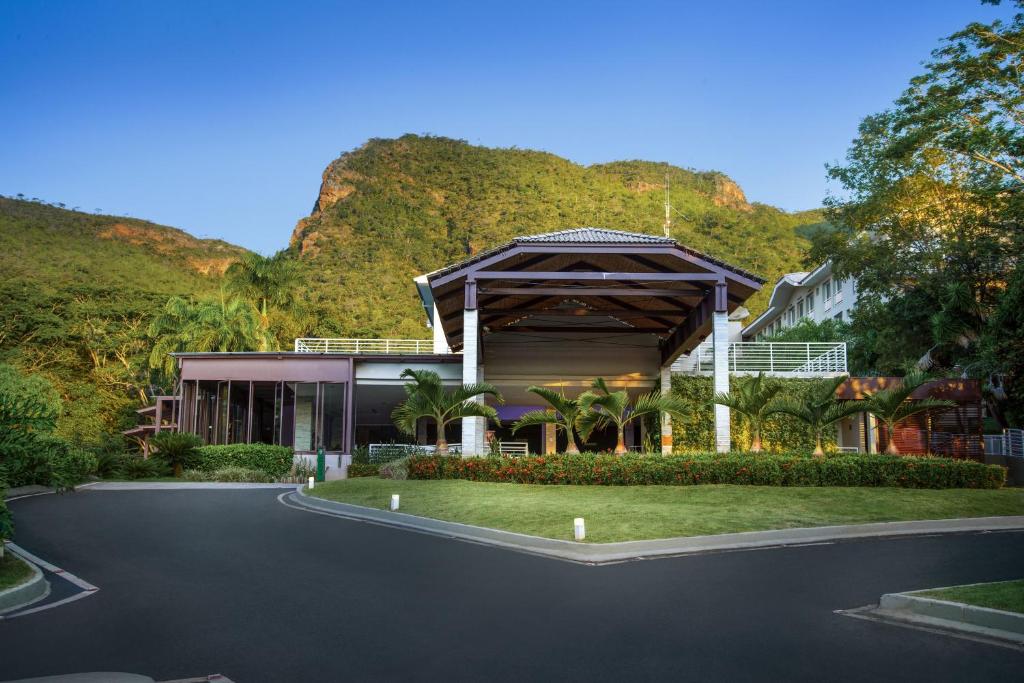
<point>752,399</point>
<point>564,416</point>
<point>427,397</point>
<point>932,200</point>
<point>893,405</point>
<point>188,325</point>
<point>267,281</point>
<point>818,408</point>
<point>177,448</point>
<point>601,407</point>
<point>1004,350</point>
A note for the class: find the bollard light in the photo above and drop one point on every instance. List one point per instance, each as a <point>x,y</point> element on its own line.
<point>394,502</point>
<point>312,480</point>
<point>578,528</point>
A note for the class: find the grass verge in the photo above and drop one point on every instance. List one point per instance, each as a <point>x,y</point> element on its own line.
<point>1004,595</point>
<point>627,513</point>
<point>13,571</point>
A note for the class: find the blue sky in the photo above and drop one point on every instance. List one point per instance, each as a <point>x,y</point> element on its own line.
<point>219,117</point>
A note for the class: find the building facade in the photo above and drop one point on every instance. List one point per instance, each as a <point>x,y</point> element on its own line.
<point>554,310</point>
<point>815,296</point>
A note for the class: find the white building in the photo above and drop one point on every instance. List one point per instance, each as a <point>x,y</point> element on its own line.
<point>816,295</point>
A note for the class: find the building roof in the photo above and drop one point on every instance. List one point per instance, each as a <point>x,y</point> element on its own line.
<point>590,235</point>
<point>782,292</point>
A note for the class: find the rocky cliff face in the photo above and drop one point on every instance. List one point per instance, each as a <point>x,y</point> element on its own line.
<point>393,209</point>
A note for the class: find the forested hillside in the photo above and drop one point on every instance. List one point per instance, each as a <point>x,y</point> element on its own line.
<point>79,291</point>
<point>394,209</point>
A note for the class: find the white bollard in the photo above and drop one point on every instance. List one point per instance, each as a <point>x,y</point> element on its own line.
<point>394,502</point>
<point>312,481</point>
<point>579,530</point>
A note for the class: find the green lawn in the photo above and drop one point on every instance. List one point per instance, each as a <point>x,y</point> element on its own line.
<point>622,513</point>
<point>1005,595</point>
<point>13,571</point>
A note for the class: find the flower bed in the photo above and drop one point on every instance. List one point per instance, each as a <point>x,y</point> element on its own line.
<point>734,468</point>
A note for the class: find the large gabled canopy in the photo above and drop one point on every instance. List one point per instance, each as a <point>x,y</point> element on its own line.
<point>591,280</point>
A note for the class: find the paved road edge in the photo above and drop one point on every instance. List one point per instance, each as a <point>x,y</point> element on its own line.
<point>24,594</point>
<point>607,553</point>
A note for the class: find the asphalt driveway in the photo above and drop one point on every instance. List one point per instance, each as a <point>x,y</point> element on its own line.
<point>197,582</point>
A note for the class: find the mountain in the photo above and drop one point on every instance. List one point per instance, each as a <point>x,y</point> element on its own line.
<point>78,290</point>
<point>76,294</point>
<point>393,209</point>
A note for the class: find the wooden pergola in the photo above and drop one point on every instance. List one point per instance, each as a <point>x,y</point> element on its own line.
<point>591,281</point>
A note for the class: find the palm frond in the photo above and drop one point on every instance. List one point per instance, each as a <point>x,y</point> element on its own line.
<point>535,417</point>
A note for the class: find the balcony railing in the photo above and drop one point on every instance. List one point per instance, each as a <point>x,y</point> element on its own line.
<point>364,346</point>
<point>796,359</point>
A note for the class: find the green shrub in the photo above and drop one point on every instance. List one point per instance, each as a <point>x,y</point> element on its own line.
<point>30,465</point>
<point>240,474</point>
<point>274,461</point>
<point>6,519</point>
<point>137,467</point>
<point>70,466</point>
<point>790,469</point>
<point>360,469</point>
<point>196,475</point>
<point>397,469</point>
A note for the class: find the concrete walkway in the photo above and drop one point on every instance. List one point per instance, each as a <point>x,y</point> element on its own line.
<point>607,553</point>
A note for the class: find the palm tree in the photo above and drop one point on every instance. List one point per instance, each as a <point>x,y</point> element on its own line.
<point>267,281</point>
<point>566,413</point>
<point>894,405</point>
<point>752,399</point>
<point>600,407</point>
<point>427,397</point>
<point>819,408</point>
<point>188,325</point>
<point>177,448</point>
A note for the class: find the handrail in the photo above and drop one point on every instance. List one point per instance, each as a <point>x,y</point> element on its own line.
<point>785,358</point>
<point>363,346</point>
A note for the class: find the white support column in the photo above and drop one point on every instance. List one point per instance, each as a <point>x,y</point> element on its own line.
<point>666,419</point>
<point>720,345</point>
<point>440,342</point>
<point>872,447</point>
<point>473,428</point>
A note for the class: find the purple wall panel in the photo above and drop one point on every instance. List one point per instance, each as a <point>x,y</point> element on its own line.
<point>267,369</point>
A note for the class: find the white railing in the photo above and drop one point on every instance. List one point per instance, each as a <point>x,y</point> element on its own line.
<point>812,359</point>
<point>369,346</point>
<point>1010,442</point>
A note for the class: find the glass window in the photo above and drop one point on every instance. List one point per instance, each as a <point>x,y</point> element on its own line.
<point>332,401</point>
<point>827,286</point>
<point>221,432</point>
<point>800,308</point>
<point>264,412</point>
<point>205,411</point>
<point>810,303</point>
<point>238,413</point>
<point>305,416</point>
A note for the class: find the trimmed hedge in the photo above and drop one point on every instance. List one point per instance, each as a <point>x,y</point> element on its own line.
<point>274,461</point>
<point>363,469</point>
<point>736,468</point>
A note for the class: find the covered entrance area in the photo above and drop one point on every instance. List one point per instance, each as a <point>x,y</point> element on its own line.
<point>562,308</point>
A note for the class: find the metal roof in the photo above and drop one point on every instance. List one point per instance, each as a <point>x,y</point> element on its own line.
<point>588,235</point>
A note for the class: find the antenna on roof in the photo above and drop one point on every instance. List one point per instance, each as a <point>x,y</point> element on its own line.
<point>668,209</point>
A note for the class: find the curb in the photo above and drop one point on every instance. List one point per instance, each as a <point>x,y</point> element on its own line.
<point>954,615</point>
<point>624,551</point>
<point>24,594</point>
